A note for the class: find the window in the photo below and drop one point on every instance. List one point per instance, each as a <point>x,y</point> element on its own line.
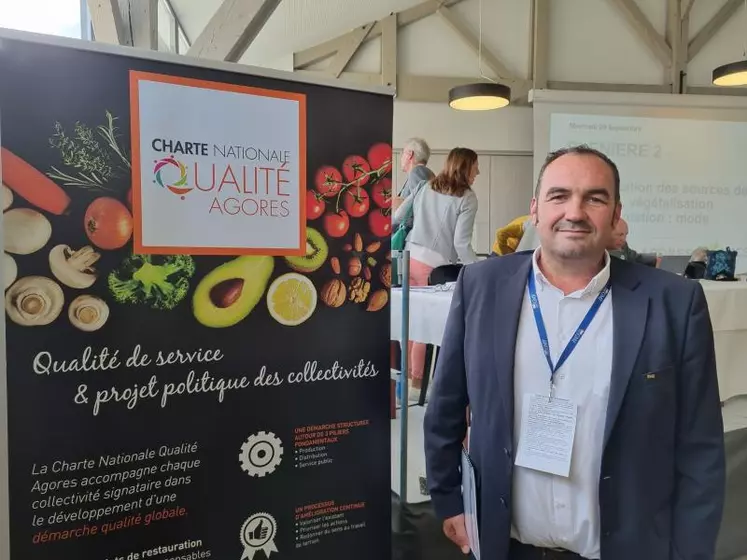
<point>53,17</point>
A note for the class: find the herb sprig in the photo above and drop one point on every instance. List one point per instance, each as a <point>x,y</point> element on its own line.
<point>90,153</point>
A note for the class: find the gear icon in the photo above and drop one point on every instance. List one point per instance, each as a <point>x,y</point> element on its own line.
<point>261,454</point>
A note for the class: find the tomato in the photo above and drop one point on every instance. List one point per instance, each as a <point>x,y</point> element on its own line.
<point>379,224</point>
<point>356,202</point>
<point>336,224</point>
<point>380,158</point>
<point>314,205</point>
<point>356,169</point>
<point>108,223</point>
<point>382,193</point>
<point>328,180</point>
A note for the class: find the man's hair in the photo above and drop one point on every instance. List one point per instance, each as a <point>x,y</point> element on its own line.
<point>421,153</point>
<point>580,150</point>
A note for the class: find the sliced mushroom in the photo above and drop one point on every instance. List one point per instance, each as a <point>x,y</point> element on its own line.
<point>34,301</point>
<point>74,268</point>
<point>10,270</point>
<point>88,313</point>
<point>7,197</point>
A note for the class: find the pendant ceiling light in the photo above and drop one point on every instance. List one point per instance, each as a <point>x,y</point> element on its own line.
<point>734,73</point>
<point>480,96</point>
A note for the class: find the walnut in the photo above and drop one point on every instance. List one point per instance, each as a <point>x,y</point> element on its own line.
<point>359,289</point>
<point>333,293</point>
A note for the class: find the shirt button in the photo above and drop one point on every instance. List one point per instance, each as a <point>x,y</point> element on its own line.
<point>507,451</point>
<point>503,502</point>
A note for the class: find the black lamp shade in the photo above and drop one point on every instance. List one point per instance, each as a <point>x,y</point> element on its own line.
<point>479,97</point>
<point>733,74</point>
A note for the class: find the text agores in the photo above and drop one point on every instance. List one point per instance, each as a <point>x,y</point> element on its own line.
<point>258,183</point>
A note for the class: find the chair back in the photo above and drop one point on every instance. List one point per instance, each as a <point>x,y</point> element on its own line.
<point>444,274</point>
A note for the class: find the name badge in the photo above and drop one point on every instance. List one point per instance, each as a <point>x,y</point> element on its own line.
<point>548,428</point>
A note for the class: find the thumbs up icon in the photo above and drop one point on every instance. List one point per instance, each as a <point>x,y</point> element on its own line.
<point>259,533</point>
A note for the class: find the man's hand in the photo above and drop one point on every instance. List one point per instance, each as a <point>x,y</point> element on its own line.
<point>397,202</point>
<point>456,531</point>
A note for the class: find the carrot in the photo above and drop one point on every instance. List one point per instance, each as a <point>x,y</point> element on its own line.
<point>32,184</point>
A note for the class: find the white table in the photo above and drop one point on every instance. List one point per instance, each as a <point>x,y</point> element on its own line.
<point>727,303</point>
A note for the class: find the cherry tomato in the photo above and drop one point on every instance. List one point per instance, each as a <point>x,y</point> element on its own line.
<point>108,223</point>
<point>336,224</point>
<point>355,168</point>
<point>379,224</point>
<point>328,181</point>
<point>356,202</point>
<point>314,205</point>
<point>382,193</point>
<point>380,158</point>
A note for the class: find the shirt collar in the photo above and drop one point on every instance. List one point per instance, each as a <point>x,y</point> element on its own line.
<point>595,286</point>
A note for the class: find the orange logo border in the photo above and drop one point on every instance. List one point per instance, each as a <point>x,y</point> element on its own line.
<point>135,78</point>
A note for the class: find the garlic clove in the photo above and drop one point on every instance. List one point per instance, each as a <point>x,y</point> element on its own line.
<point>10,270</point>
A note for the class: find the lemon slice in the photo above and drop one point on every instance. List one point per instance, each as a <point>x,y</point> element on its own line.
<point>291,299</point>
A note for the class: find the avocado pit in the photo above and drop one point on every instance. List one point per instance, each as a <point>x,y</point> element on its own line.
<point>226,293</point>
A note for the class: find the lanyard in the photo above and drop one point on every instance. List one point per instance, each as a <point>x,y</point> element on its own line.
<point>573,342</point>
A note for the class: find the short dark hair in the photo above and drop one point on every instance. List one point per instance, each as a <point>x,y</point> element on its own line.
<point>580,150</point>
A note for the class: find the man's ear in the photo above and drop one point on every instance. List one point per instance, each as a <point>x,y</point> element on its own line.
<point>533,211</point>
<point>617,214</point>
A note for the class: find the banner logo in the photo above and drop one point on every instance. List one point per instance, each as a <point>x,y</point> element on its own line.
<point>258,533</point>
<point>162,170</point>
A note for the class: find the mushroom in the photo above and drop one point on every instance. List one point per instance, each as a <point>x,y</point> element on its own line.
<point>10,270</point>
<point>88,313</point>
<point>74,268</point>
<point>7,197</point>
<point>34,301</point>
<point>25,231</point>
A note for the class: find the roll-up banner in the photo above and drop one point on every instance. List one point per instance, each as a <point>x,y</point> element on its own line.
<point>196,334</point>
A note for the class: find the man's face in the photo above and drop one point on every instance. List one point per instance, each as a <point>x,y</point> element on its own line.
<point>575,210</point>
<point>619,235</point>
<point>406,161</point>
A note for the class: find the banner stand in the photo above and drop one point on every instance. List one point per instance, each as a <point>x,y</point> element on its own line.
<point>195,344</point>
<point>403,258</point>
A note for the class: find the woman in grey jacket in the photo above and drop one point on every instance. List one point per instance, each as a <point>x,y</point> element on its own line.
<point>444,211</point>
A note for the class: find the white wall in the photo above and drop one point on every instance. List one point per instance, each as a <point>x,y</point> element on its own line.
<point>507,130</point>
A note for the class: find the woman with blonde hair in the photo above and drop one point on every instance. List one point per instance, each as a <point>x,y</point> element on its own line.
<point>444,212</point>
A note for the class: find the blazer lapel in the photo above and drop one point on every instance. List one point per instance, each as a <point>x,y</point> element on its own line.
<point>629,312</point>
<point>509,296</point>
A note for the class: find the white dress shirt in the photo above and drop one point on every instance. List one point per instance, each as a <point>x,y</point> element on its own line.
<point>552,511</point>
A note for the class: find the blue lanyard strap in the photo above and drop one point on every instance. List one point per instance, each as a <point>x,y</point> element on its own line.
<point>573,342</point>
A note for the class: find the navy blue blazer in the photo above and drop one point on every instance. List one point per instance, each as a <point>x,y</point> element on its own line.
<point>661,488</point>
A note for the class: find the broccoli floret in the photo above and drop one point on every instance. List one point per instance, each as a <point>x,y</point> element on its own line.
<point>160,282</point>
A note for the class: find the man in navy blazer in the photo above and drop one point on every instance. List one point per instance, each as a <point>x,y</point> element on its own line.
<point>596,427</point>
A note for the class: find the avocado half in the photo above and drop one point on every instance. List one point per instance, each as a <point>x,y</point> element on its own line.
<point>316,253</point>
<point>228,293</point>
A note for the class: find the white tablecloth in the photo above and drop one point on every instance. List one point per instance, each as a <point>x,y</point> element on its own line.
<point>727,303</point>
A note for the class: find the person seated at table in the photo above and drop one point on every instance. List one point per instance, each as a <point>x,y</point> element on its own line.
<point>444,211</point>
<point>508,237</point>
<point>618,247</point>
<point>517,235</point>
<point>696,268</point>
